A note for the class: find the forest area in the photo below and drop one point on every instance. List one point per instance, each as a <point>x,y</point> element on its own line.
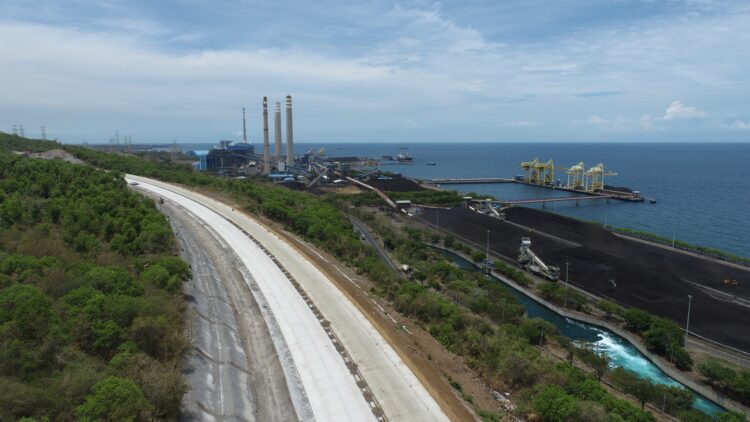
<point>91,312</point>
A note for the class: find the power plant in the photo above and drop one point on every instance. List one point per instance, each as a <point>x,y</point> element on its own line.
<point>242,159</point>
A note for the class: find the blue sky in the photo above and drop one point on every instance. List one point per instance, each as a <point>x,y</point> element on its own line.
<point>481,71</point>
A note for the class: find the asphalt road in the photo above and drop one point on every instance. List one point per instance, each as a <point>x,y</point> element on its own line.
<point>362,228</point>
<point>329,382</point>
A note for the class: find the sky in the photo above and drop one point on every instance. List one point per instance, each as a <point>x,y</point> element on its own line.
<point>378,71</point>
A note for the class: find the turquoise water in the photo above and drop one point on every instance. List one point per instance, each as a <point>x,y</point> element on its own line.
<point>619,351</point>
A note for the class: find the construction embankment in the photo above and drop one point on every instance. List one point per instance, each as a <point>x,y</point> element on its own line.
<point>346,369</point>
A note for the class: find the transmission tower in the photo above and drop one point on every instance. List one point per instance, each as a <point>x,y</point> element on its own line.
<point>20,131</point>
<point>15,130</point>
<point>174,150</point>
<point>44,134</point>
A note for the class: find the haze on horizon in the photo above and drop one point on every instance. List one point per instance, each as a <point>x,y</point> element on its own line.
<point>411,71</point>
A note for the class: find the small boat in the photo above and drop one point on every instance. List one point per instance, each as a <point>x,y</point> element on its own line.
<point>652,200</point>
<point>431,163</point>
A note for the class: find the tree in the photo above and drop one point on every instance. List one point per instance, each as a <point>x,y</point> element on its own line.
<point>637,320</point>
<point>554,405</point>
<point>642,389</point>
<point>731,416</point>
<point>610,308</point>
<point>114,399</point>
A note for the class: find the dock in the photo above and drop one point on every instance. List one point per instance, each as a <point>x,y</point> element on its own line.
<point>469,181</point>
<point>545,200</point>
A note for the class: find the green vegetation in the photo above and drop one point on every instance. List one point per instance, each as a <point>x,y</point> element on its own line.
<point>660,335</point>
<point>86,331</point>
<point>733,383</point>
<point>559,294</point>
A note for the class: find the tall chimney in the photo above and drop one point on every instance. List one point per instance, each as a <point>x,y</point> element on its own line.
<point>289,134</point>
<point>266,147</point>
<point>277,130</point>
<point>244,127</point>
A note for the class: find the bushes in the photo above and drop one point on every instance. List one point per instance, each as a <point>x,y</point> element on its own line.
<point>735,384</point>
<point>660,335</point>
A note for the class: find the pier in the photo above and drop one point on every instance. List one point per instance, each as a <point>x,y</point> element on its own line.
<point>545,200</point>
<point>469,181</point>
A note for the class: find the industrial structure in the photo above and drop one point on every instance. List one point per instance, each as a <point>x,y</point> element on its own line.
<point>266,146</point>
<point>289,134</point>
<point>533,263</point>
<point>580,179</point>
<point>277,130</point>
<point>539,173</point>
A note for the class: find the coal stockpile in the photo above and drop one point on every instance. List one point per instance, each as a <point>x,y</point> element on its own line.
<point>395,185</point>
<point>630,272</point>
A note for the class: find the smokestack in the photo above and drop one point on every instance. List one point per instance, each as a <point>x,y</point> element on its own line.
<point>277,130</point>
<point>289,134</point>
<point>266,147</point>
<point>244,127</point>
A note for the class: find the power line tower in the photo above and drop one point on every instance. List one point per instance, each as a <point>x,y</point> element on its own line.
<point>20,131</point>
<point>174,150</point>
<point>117,139</point>
<point>44,134</point>
<point>15,130</point>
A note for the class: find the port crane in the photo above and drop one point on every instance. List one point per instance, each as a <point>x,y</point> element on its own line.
<point>595,177</point>
<point>539,173</point>
<point>533,263</point>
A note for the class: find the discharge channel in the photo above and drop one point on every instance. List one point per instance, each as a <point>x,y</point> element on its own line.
<point>619,351</point>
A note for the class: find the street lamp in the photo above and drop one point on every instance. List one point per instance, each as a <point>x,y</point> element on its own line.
<point>488,246</point>
<point>687,323</point>
<point>567,265</point>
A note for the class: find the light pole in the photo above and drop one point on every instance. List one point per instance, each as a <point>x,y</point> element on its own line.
<point>437,221</point>
<point>567,265</point>
<point>488,246</point>
<point>687,323</point>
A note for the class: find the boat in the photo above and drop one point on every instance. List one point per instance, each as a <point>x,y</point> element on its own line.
<point>404,158</point>
<point>431,163</point>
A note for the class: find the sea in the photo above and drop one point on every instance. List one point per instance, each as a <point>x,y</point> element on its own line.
<point>702,190</point>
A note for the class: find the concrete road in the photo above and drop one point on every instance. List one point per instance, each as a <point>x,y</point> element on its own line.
<point>233,369</point>
<point>330,389</point>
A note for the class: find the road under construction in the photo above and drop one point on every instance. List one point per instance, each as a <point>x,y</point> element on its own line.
<point>275,339</point>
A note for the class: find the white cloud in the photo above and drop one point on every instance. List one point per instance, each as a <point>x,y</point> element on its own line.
<point>621,123</point>
<point>734,122</point>
<point>677,110</point>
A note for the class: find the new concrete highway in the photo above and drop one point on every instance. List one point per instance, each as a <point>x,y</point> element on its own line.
<point>318,357</point>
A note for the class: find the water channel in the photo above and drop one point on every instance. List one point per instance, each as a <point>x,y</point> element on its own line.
<point>619,351</point>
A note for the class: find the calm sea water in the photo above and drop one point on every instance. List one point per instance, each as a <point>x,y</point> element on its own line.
<point>702,190</point>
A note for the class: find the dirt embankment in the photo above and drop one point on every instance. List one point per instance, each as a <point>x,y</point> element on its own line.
<point>636,274</point>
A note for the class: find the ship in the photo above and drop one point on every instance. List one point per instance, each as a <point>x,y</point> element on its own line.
<point>404,158</point>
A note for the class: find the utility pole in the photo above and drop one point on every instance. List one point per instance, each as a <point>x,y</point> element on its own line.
<point>488,247</point>
<point>687,323</point>
<point>567,265</point>
<point>437,221</point>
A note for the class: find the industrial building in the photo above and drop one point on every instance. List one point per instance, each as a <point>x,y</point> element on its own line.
<point>227,158</point>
